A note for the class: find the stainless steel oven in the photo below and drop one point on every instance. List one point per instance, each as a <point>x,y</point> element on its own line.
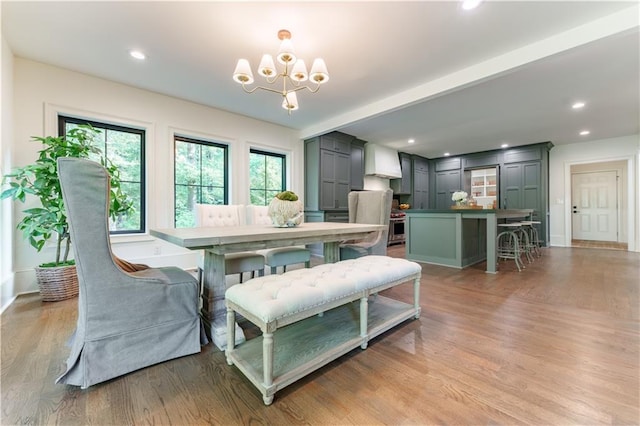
<point>396,230</point>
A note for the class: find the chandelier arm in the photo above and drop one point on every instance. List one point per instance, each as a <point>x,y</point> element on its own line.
<point>275,78</point>
<point>249,90</point>
<point>306,87</point>
<point>268,89</point>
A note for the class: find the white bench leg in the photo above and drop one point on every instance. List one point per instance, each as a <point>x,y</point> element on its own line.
<point>231,334</point>
<point>267,365</point>
<point>364,314</point>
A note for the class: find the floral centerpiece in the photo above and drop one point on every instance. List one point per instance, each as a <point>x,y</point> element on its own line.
<point>460,197</point>
<point>286,210</point>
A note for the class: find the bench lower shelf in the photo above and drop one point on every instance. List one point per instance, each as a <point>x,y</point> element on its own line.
<point>308,345</point>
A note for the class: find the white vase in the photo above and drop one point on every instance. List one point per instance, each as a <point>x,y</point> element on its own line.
<point>285,214</point>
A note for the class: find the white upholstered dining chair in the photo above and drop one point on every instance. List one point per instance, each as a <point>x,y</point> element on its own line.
<point>282,256</point>
<point>212,215</point>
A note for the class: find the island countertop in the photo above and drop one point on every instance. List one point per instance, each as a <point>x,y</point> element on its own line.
<point>500,213</point>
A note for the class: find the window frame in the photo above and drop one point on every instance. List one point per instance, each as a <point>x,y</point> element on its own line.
<point>64,119</point>
<point>283,157</point>
<point>205,142</point>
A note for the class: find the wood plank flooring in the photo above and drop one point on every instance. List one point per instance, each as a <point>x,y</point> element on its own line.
<point>555,344</point>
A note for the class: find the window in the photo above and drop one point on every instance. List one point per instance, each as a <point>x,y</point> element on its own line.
<point>124,147</point>
<point>200,176</point>
<point>266,176</point>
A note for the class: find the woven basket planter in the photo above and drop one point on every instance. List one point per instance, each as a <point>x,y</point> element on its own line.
<point>57,283</point>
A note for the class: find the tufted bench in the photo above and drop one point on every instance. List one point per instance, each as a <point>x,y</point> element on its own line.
<point>305,341</point>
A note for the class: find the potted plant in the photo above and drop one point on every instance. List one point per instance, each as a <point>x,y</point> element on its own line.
<point>286,210</point>
<point>57,279</point>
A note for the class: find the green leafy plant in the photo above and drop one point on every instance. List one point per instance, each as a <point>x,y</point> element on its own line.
<point>40,179</point>
<point>287,196</point>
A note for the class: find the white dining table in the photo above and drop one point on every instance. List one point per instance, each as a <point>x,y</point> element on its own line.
<point>218,241</point>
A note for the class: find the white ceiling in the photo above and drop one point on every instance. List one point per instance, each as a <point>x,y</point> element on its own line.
<point>453,80</point>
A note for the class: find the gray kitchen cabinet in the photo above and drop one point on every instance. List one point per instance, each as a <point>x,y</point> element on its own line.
<point>524,183</point>
<point>521,186</point>
<point>335,180</point>
<point>402,186</point>
<point>328,174</point>
<point>447,182</point>
<point>337,142</point>
<point>420,183</point>
<point>357,165</point>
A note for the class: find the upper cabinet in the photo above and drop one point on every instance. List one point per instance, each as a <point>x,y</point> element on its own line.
<point>334,166</point>
<point>336,142</point>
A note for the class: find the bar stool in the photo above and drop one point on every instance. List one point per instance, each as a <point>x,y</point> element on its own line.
<point>508,244</point>
<point>530,227</point>
<point>525,242</point>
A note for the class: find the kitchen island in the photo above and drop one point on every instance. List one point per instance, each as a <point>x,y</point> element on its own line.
<point>458,237</point>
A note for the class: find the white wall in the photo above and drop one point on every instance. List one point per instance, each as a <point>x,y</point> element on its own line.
<point>7,292</point>
<point>561,160</point>
<point>41,91</point>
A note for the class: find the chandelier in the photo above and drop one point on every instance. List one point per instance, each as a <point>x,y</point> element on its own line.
<point>293,74</point>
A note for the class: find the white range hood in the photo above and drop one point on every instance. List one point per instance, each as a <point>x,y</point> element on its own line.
<point>381,161</point>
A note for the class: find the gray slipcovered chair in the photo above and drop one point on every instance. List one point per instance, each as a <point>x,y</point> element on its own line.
<point>126,321</point>
<point>372,207</point>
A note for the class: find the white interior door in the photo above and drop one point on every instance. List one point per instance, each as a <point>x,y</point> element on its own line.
<point>594,202</point>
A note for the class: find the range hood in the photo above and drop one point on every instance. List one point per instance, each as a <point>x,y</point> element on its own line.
<point>381,161</point>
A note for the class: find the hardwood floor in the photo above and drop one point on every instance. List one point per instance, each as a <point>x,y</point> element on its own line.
<point>555,344</point>
<point>612,245</point>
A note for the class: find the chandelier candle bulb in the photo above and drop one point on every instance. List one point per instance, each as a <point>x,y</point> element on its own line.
<point>243,74</point>
<point>290,101</point>
<point>286,53</point>
<point>267,67</point>
<point>319,73</point>
<point>299,71</point>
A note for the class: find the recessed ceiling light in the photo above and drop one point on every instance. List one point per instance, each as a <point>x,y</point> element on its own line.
<point>584,133</point>
<point>577,105</point>
<point>137,54</point>
<point>446,154</point>
<point>504,145</point>
<point>470,4</point>
<point>411,141</point>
